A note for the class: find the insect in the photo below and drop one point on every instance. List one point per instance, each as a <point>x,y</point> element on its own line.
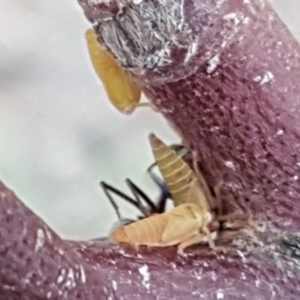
<point>146,210</point>
<point>150,208</point>
<point>184,225</point>
<point>180,178</point>
<point>192,219</point>
<point>122,91</point>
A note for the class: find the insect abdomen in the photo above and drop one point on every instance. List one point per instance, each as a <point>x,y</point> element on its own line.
<point>177,174</point>
<point>144,232</point>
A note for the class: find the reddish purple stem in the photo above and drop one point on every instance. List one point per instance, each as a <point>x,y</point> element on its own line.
<point>37,264</point>
<point>243,119</point>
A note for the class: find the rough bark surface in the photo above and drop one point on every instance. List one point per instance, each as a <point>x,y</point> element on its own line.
<point>37,264</point>
<point>240,112</point>
<point>225,73</point>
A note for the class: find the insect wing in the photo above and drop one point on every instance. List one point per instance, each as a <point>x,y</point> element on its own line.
<point>180,222</point>
<point>196,194</point>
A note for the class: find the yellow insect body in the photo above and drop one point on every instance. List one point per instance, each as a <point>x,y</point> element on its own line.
<point>183,183</point>
<point>184,225</point>
<point>120,88</point>
<point>193,220</point>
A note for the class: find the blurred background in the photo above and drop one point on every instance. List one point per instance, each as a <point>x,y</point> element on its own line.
<point>59,135</point>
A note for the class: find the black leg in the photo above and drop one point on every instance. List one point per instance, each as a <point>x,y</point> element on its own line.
<point>164,193</point>
<point>149,170</point>
<point>119,193</point>
<point>108,188</point>
<point>137,192</point>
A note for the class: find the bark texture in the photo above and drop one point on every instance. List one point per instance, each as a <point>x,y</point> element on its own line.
<point>225,73</point>
<point>37,264</point>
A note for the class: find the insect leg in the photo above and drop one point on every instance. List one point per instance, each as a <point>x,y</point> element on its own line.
<point>219,202</point>
<point>195,239</point>
<point>236,221</point>
<point>209,238</point>
<point>148,104</point>
<point>149,170</point>
<point>137,192</point>
<point>164,192</point>
<point>101,239</point>
<point>108,188</point>
<point>182,152</point>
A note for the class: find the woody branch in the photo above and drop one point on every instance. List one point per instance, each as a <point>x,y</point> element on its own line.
<point>226,75</point>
